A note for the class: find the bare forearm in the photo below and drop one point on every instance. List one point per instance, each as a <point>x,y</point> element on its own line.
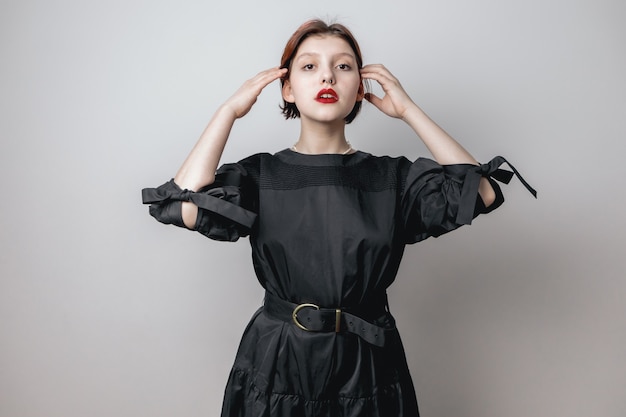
<point>199,168</point>
<point>396,103</point>
<point>445,149</point>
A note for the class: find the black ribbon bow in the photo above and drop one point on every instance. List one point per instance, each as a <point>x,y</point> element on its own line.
<point>213,200</point>
<point>469,193</point>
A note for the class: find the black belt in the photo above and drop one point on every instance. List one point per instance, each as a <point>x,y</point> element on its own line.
<point>312,318</point>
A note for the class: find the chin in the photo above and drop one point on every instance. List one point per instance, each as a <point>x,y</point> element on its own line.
<point>328,117</point>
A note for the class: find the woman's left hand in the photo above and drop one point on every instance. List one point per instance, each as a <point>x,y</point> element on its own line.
<point>396,101</point>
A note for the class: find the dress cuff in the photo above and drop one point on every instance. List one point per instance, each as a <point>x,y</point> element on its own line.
<point>216,200</point>
<point>469,192</point>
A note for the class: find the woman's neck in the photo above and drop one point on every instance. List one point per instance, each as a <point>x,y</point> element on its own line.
<point>322,138</point>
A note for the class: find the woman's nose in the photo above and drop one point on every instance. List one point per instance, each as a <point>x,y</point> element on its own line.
<point>327,76</point>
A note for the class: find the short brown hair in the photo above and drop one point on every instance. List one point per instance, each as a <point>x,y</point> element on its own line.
<point>320,28</point>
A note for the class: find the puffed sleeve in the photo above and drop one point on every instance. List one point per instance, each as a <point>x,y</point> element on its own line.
<point>226,208</point>
<point>437,199</point>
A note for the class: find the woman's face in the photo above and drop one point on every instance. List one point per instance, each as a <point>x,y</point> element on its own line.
<point>324,80</point>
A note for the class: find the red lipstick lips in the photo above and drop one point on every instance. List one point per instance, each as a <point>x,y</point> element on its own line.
<point>327,95</point>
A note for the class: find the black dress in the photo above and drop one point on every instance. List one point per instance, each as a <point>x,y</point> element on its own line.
<point>329,230</point>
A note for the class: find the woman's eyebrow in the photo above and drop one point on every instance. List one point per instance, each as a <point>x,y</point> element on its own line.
<point>315,54</point>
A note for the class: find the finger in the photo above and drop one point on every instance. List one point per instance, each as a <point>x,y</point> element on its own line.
<point>378,69</point>
<point>374,99</point>
<point>271,74</point>
<point>374,67</point>
<point>266,77</point>
<point>376,76</point>
<point>276,71</point>
<point>378,73</point>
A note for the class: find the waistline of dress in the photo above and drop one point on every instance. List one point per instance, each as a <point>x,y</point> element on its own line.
<point>310,317</point>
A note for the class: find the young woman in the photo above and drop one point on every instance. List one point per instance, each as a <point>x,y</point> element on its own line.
<point>328,225</point>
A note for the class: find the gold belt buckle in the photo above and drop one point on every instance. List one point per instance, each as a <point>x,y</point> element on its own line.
<point>294,316</point>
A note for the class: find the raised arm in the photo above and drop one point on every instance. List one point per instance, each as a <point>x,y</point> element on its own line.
<point>198,169</point>
<point>397,103</point>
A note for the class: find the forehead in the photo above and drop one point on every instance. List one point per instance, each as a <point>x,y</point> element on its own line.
<point>324,45</point>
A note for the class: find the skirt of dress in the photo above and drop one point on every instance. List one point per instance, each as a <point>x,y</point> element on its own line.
<point>282,371</point>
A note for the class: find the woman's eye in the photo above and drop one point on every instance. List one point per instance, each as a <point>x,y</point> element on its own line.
<point>345,67</point>
<point>308,67</point>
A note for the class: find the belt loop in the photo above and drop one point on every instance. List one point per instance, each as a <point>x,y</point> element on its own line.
<point>337,320</point>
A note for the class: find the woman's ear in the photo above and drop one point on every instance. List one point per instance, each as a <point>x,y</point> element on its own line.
<point>361,93</point>
<point>287,93</point>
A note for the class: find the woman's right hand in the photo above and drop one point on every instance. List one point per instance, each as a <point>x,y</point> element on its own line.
<point>242,101</point>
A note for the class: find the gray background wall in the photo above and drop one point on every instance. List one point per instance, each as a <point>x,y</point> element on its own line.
<point>105,312</point>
